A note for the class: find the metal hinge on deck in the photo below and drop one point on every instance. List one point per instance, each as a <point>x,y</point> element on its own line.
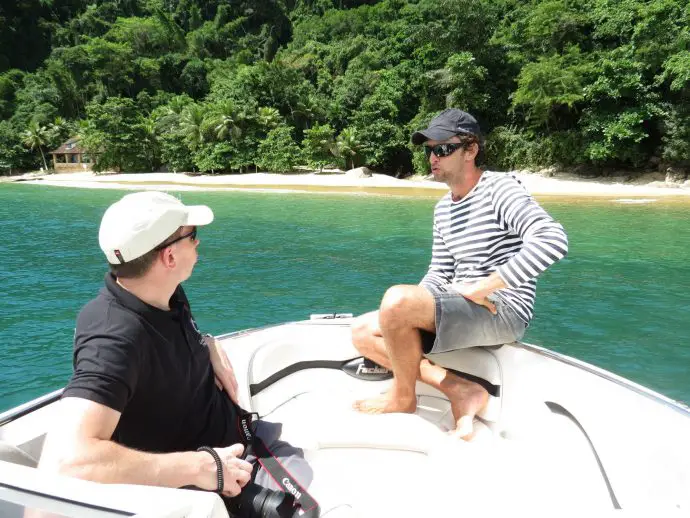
<point>329,316</point>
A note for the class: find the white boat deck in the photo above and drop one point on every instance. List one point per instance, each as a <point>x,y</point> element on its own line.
<point>559,435</point>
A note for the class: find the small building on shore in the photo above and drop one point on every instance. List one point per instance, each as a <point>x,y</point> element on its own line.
<point>70,157</point>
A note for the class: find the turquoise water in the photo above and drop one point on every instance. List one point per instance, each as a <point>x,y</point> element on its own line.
<point>619,300</point>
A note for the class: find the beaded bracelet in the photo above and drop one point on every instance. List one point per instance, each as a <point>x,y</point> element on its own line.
<point>219,465</point>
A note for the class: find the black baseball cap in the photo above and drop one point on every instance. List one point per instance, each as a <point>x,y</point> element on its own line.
<point>447,124</point>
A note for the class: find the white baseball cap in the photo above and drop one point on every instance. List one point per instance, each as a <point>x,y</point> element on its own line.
<point>141,221</point>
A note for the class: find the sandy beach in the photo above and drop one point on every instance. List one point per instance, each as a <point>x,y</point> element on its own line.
<point>355,182</point>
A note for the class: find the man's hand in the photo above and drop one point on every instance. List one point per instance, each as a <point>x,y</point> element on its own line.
<point>236,472</point>
<point>222,368</point>
<point>476,293</point>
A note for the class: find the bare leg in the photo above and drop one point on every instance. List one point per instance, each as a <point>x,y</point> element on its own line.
<point>404,311</point>
<point>466,398</point>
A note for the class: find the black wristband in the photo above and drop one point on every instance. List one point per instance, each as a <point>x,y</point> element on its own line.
<point>219,465</point>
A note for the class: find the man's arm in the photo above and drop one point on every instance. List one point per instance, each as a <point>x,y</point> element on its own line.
<point>80,446</point>
<point>544,240</point>
<point>222,368</point>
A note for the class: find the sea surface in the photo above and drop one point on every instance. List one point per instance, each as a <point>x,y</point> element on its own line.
<point>620,300</point>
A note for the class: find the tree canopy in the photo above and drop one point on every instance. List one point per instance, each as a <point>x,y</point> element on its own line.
<point>235,85</point>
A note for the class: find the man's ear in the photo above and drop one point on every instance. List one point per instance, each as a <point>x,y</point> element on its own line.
<point>168,257</point>
<point>472,152</point>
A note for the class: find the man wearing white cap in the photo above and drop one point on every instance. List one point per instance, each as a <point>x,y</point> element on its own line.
<point>152,400</point>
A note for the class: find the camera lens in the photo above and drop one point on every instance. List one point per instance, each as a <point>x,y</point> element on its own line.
<point>259,502</point>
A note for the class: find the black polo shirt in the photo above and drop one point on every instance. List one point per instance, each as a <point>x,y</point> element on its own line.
<point>153,367</point>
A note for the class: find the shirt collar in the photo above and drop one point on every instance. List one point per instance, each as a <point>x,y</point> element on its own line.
<point>134,303</point>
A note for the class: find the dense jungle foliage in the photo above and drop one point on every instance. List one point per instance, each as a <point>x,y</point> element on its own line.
<point>240,85</point>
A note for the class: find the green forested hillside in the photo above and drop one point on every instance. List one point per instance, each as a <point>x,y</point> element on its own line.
<point>234,85</point>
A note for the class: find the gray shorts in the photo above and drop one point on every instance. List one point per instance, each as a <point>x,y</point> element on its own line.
<point>461,323</point>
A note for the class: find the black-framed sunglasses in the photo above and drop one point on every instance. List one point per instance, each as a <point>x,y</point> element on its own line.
<point>191,235</point>
<point>442,150</point>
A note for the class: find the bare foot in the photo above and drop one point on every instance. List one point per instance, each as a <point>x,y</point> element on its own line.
<point>386,404</point>
<point>466,399</point>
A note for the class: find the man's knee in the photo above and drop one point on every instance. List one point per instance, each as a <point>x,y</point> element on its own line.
<point>407,305</point>
<point>397,302</point>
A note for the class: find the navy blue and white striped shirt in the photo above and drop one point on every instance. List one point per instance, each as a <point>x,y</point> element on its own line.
<point>496,227</point>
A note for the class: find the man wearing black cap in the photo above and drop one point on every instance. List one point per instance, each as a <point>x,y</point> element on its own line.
<point>490,241</point>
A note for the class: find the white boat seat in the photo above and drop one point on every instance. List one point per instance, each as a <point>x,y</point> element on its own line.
<point>356,457</point>
<point>280,369</point>
<point>478,364</point>
<point>359,460</point>
<point>364,463</point>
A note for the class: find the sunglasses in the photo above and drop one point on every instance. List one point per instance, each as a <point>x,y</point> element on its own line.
<point>191,235</point>
<point>441,150</point>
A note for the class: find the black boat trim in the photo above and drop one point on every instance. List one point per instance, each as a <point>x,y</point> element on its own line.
<point>255,388</point>
<point>493,390</point>
<point>560,410</point>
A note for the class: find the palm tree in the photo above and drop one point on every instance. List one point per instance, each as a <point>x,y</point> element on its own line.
<point>58,123</point>
<point>226,122</point>
<point>269,118</point>
<point>347,145</point>
<point>192,125</point>
<point>173,31</point>
<point>179,103</point>
<point>168,118</point>
<point>245,114</point>
<point>301,112</point>
<point>36,136</point>
<point>57,128</point>
<point>149,141</point>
